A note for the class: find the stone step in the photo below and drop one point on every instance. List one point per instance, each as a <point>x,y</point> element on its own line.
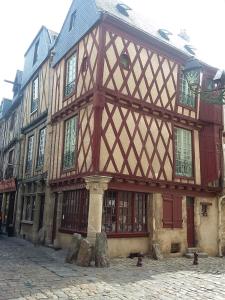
<point>200,255</point>
<point>192,250</point>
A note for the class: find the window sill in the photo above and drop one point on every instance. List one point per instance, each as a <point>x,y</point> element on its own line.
<point>127,235</point>
<point>27,222</point>
<point>33,112</point>
<point>192,108</point>
<point>184,177</point>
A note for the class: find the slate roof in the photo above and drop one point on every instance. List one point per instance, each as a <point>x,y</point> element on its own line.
<point>46,40</point>
<point>88,12</point>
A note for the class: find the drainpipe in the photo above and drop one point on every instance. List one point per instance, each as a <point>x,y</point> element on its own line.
<point>220,199</point>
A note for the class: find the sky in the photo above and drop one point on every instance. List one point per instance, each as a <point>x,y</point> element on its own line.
<point>20,20</point>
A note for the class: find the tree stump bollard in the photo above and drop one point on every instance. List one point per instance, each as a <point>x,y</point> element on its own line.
<point>139,262</point>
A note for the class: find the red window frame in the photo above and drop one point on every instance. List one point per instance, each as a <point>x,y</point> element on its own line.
<point>124,213</point>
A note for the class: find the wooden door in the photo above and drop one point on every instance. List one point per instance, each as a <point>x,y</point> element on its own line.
<point>190,222</point>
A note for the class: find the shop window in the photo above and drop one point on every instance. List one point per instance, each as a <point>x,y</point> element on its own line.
<point>124,212</point>
<point>172,211</point>
<point>75,211</point>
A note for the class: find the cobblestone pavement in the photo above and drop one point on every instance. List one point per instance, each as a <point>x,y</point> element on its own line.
<point>28,272</point>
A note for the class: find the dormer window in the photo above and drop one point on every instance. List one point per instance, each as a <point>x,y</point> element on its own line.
<point>164,34</point>
<point>36,52</point>
<point>190,49</point>
<point>125,61</point>
<point>123,9</point>
<point>72,20</point>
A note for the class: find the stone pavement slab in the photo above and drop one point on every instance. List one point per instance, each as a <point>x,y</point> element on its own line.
<point>29,272</point>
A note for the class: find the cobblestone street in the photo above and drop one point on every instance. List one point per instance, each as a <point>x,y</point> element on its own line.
<point>28,272</point>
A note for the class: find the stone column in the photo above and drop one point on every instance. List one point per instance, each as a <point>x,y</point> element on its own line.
<point>96,186</point>
<point>58,218</point>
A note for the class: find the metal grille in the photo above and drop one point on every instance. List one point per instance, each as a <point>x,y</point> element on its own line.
<point>187,96</point>
<point>124,212</point>
<point>75,210</point>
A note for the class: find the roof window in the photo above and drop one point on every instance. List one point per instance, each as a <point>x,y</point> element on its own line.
<point>123,8</point>
<point>164,33</point>
<point>72,20</point>
<point>190,49</point>
<point>35,57</point>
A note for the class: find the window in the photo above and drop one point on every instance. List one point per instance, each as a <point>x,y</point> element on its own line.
<point>35,94</point>
<point>183,152</point>
<point>29,208</point>
<point>69,143</point>
<point>12,121</point>
<point>11,156</point>
<point>35,58</point>
<point>41,148</point>
<point>84,64</point>
<point>72,20</point>
<point>172,211</point>
<point>187,95</point>
<point>75,210</point>
<point>124,212</point>
<point>70,74</point>
<point>123,9</point>
<point>29,153</point>
<point>125,61</point>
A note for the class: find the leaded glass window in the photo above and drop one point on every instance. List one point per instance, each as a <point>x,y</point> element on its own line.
<point>35,94</point>
<point>69,143</point>
<point>29,153</point>
<point>187,88</point>
<point>70,74</point>
<point>41,148</point>
<point>183,152</point>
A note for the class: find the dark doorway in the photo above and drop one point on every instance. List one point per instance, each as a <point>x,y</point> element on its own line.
<point>41,214</point>
<point>55,218</point>
<point>190,222</point>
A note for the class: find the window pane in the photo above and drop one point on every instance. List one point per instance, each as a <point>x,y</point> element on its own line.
<point>29,153</point>
<point>41,147</point>
<point>75,210</point>
<point>187,95</point>
<point>124,212</point>
<point>69,143</point>
<point>183,145</point>
<point>35,95</point>
<point>70,74</point>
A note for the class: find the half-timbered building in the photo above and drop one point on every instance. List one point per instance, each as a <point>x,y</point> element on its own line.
<point>10,136</point>
<point>36,87</point>
<point>130,140</point>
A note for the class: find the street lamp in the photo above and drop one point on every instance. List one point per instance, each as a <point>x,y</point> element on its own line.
<point>214,91</point>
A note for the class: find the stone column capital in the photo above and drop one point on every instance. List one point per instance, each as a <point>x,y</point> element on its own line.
<point>97,184</point>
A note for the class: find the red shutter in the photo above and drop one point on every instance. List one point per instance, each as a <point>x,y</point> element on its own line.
<point>172,211</point>
<point>210,153</point>
<point>167,211</point>
<point>177,212</point>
